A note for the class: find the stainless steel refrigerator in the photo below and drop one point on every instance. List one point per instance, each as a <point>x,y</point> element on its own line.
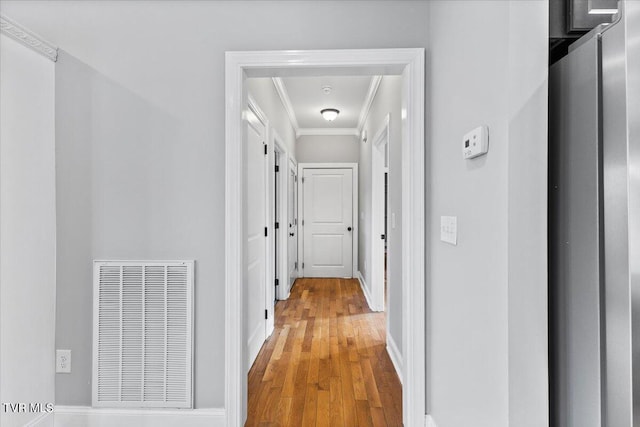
<point>594,235</point>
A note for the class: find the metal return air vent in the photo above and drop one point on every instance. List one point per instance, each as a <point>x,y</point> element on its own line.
<point>143,335</point>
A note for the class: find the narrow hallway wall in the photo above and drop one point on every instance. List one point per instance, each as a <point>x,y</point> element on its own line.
<point>327,149</point>
<point>386,101</point>
<point>27,232</point>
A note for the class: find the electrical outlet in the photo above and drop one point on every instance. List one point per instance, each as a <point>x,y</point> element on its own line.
<point>449,229</point>
<point>63,361</point>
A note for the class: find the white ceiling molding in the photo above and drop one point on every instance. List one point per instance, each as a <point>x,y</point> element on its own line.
<point>286,102</point>
<point>327,131</point>
<point>373,89</point>
<point>28,38</point>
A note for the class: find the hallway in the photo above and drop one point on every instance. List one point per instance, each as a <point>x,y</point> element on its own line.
<point>325,363</point>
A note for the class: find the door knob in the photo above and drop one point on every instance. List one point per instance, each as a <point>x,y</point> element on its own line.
<point>348,228</point>
<point>291,234</point>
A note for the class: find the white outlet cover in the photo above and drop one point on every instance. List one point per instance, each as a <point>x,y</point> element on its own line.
<point>63,361</point>
<point>449,229</point>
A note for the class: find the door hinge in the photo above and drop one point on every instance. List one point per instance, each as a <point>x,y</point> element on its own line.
<point>277,168</point>
<point>266,314</point>
<point>277,282</point>
<point>295,265</point>
<point>277,225</point>
<point>265,148</point>
<point>265,232</point>
<point>303,179</point>
<point>303,222</point>
<point>303,265</point>
<point>295,178</point>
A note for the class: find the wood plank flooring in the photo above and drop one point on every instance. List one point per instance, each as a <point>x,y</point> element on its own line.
<point>326,363</point>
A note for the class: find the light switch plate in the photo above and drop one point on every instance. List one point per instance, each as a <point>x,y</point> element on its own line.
<point>63,361</point>
<point>449,229</point>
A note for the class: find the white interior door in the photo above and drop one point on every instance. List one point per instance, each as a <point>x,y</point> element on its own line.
<point>328,222</point>
<point>379,166</point>
<point>292,216</point>
<point>276,230</point>
<point>256,169</point>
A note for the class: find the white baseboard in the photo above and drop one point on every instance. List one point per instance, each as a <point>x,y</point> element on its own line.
<point>84,416</point>
<point>395,355</point>
<point>429,421</point>
<point>43,420</point>
<point>365,290</point>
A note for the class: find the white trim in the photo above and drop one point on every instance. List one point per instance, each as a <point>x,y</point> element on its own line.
<point>429,421</point>
<point>255,108</point>
<point>235,348</point>
<point>394,355</point>
<point>409,63</point>
<point>413,241</point>
<point>84,416</point>
<point>365,290</point>
<point>28,38</point>
<point>286,102</point>
<point>366,106</point>
<point>327,131</point>
<point>42,420</point>
<point>354,219</point>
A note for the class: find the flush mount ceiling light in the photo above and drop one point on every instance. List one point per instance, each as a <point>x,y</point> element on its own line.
<point>329,114</point>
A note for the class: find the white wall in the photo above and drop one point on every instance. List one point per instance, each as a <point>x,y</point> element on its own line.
<point>140,136</point>
<point>27,230</point>
<point>486,296</point>
<point>387,101</point>
<point>327,149</point>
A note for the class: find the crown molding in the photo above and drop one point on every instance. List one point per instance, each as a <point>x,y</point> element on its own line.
<point>28,38</point>
<point>371,94</point>
<point>286,102</point>
<point>327,131</point>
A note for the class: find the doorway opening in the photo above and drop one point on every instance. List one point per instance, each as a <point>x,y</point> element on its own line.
<point>409,63</point>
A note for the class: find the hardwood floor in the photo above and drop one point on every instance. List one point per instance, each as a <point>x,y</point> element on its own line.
<point>326,363</point>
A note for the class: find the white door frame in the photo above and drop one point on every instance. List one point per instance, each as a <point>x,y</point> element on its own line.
<point>410,63</point>
<point>292,166</point>
<point>283,194</point>
<point>354,220</point>
<point>377,216</point>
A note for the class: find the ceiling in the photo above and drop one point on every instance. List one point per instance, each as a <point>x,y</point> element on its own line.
<point>304,97</point>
